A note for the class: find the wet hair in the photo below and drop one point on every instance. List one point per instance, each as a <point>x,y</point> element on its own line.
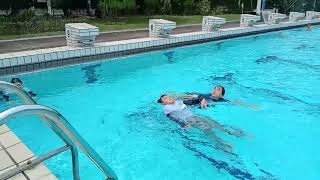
<point>160,100</point>
<point>223,90</point>
<point>16,80</point>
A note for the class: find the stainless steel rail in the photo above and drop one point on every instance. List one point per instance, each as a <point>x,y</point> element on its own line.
<point>59,125</point>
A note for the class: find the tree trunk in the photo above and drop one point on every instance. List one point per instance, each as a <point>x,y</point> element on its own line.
<point>89,7</point>
<point>49,7</point>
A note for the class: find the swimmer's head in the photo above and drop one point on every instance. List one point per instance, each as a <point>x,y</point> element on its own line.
<point>218,92</point>
<point>17,82</point>
<point>309,27</point>
<point>165,99</point>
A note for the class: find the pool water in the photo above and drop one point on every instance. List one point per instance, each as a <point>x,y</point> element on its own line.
<point>113,106</point>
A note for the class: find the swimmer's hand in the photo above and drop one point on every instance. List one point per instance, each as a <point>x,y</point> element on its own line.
<point>207,106</point>
<point>32,94</point>
<point>5,98</point>
<point>203,104</point>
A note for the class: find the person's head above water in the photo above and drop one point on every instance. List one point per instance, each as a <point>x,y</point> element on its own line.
<point>17,82</point>
<point>165,99</point>
<point>218,92</point>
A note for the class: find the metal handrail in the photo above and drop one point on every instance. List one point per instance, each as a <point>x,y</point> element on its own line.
<point>59,125</point>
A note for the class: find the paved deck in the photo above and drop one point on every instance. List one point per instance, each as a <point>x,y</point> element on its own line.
<point>56,41</point>
<point>14,153</point>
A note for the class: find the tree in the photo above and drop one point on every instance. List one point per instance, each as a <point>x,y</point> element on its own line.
<point>285,6</point>
<point>49,7</point>
<point>204,7</point>
<point>113,7</point>
<point>166,6</point>
<point>89,7</point>
<point>151,6</point>
<point>15,5</point>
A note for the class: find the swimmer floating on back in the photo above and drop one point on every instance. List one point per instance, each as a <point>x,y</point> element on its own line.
<point>180,113</point>
<point>17,82</point>
<point>217,95</point>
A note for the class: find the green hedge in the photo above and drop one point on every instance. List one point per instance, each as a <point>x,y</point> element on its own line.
<point>11,26</point>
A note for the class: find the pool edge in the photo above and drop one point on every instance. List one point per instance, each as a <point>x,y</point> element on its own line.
<point>16,153</point>
<point>14,68</point>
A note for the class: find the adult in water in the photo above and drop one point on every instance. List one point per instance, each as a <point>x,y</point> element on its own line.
<point>216,95</point>
<point>17,82</point>
<point>180,113</point>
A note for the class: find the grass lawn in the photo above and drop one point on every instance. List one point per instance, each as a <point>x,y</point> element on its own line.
<point>125,23</point>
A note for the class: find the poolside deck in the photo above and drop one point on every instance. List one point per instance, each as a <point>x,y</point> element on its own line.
<point>7,46</point>
<point>14,153</point>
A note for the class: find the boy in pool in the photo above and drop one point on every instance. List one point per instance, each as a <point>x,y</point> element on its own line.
<point>216,95</point>
<point>180,113</point>
<point>309,27</point>
<point>17,82</point>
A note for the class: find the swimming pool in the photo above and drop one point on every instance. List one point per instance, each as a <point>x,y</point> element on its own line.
<point>113,106</point>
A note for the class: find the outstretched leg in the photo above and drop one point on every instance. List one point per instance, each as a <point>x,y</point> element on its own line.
<point>207,128</point>
<point>228,129</point>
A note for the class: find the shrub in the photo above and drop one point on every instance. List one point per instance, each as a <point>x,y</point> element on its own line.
<point>116,7</point>
<point>204,7</point>
<point>25,15</point>
<point>151,7</point>
<point>190,7</point>
<point>18,25</point>
<point>218,10</point>
<point>166,6</point>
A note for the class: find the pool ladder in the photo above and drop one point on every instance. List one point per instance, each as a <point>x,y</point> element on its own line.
<point>55,121</point>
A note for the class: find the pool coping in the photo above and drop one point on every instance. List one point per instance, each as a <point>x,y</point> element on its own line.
<point>34,60</point>
<point>14,153</point>
<point>104,32</point>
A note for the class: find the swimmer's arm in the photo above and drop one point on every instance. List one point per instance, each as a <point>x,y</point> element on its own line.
<point>184,96</point>
<point>240,103</point>
<point>6,98</point>
<point>203,103</point>
<point>32,94</point>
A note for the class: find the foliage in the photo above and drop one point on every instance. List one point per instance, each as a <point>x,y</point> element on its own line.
<point>218,10</point>
<point>151,6</point>
<point>286,6</point>
<point>113,7</point>
<point>15,5</point>
<point>24,24</point>
<point>204,7</point>
<point>190,7</point>
<point>166,6</point>
<point>25,15</point>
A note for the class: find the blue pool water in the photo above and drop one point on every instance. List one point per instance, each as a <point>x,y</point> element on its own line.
<point>113,105</point>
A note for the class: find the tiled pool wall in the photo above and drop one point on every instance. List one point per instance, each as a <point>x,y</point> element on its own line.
<point>26,61</point>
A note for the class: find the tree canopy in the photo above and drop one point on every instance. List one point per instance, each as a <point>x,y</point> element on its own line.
<point>175,7</point>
